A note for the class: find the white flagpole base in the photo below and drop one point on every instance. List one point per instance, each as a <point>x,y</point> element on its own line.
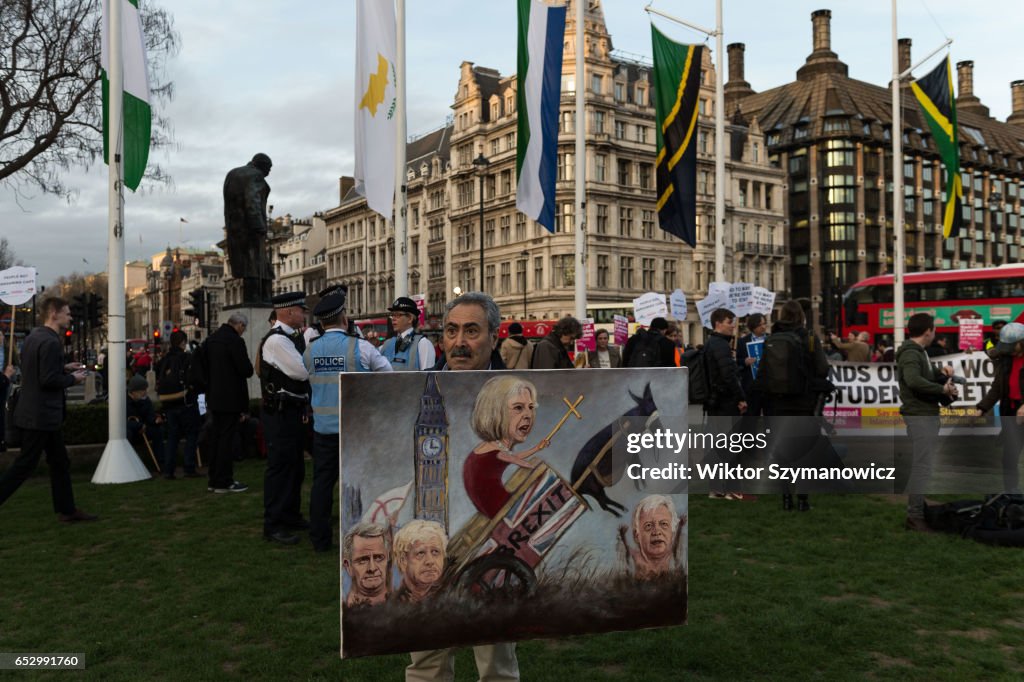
<point>120,464</point>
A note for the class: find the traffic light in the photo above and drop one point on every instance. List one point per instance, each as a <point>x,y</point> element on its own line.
<point>197,299</point>
<point>95,310</point>
<point>156,335</point>
<point>67,337</point>
<point>78,308</point>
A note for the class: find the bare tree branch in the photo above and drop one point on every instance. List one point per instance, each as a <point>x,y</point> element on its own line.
<point>51,113</point>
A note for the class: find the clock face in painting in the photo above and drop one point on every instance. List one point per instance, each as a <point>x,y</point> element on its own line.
<point>432,446</point>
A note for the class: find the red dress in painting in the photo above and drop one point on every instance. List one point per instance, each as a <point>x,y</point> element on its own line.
<point>481,476</point>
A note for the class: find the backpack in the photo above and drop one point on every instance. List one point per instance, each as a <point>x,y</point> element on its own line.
<point>171,376</point>
<point>198,371</point>
<point>696,361</point>
<point>646,351</point>
<point>786,363</point>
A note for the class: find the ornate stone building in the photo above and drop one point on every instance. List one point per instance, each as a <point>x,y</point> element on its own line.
<point>529,271</point>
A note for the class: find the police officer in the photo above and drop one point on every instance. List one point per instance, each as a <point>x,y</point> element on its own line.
<point>285,387</point>
<point>407,350</point>
<point>334,351</point>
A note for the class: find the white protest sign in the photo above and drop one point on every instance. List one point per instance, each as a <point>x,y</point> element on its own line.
<point>710,304</point>
<point>649,306</point>
<point>719,288</point>
<point>867,394</point>
<point>677,302</point>
<point>762,301</point>
<point>17,285</point>
<point>740,294</point>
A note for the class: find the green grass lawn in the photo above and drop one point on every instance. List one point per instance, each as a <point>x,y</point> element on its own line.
<point>177,583</point>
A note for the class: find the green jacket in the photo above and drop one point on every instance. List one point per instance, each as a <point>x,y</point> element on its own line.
<point>920,389</point>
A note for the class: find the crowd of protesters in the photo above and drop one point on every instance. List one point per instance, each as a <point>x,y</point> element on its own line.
<point>176,423</point>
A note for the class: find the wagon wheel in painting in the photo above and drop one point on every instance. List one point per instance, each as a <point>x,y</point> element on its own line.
<point>497,575</point>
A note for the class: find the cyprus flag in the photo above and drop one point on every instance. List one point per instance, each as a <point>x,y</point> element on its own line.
<point>375,104</point>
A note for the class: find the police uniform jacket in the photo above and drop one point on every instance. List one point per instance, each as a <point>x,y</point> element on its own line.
<point>328,355</point>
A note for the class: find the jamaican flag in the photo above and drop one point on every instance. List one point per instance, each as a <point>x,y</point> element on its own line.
<point>676,89</point>
<point>934,93</point>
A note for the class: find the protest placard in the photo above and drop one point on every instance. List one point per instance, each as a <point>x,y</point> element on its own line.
<point>621,330</point>
<point>740,294</point>
<point>649,306</point>
<point>677,302</point>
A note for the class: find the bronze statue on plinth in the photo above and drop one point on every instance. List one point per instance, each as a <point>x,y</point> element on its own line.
<point>245,221</point>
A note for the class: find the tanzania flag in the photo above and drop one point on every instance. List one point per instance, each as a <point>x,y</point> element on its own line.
<point>676,87</point>
<point>137,116</point>
<point>935,94</point>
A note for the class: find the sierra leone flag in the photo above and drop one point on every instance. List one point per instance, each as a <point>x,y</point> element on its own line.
<point>934,93</point>
<point>676,90</point>
<point>137,118</point>
<point>541,34</point>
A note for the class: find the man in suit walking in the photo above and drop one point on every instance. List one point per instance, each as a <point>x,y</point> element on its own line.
<point>227,398</point>
<point>40,411</point>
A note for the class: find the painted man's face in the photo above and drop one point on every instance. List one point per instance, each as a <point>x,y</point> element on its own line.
<point>367,565</point>
<point>654,532</point>
<point>423,563</point>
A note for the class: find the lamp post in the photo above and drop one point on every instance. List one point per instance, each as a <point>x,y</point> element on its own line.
<point>526,264</point>
<point>481,163</point>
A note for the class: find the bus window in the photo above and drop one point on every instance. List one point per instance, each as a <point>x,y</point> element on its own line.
<point>1006,288</point>
<point>852,299</point>
<point>883,293</point>
<point>931,291</point>
<point>970,291</point>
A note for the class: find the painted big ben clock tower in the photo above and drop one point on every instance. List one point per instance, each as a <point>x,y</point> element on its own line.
<point>431,455</point>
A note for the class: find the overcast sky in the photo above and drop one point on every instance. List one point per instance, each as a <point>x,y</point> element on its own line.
<point>276,77</point>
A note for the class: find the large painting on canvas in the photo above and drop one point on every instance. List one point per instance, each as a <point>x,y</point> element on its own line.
<point>491,507</point>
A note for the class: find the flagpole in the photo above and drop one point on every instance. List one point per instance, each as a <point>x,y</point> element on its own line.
<point>119,463</point>
<point>899,249</point>
<point>719,147</point>
<point>581,165</point>
<point>401,226</point>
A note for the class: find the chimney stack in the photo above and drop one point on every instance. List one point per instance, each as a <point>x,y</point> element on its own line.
<point>1017,95</point>
<point>904,50</point>
<point>822,59</point>
<point>736,51</point>
<point>822,22</point>
<point>965,78</point>
<point>736,88</point>
<point>965,100</point>
<point>345,185</point>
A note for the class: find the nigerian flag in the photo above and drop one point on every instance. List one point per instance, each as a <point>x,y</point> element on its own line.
<point>137,119</point>
<point>934,93</point>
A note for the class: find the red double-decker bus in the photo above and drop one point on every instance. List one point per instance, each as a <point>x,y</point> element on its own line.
<point>988,294</point>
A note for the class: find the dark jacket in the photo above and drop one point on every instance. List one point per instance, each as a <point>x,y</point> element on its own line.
<point>999,393</point>
<point>228,364</point>
<point>174,366</point>
<point>551,354</point>
<point>920,389</point>
<point>806,403</point>
<point>666,349</point>
<point>43,381</point>
<point>724,374</point>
